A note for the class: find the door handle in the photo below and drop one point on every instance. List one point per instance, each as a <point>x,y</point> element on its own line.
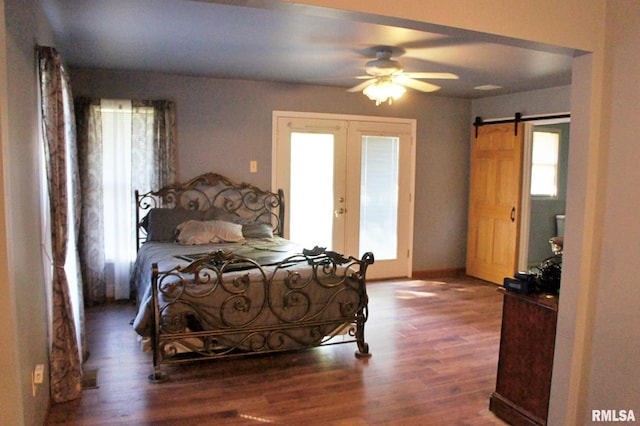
<point>513,214</point>
<point>340,212</point>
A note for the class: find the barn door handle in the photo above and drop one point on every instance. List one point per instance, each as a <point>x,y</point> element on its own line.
<point>513,214</point>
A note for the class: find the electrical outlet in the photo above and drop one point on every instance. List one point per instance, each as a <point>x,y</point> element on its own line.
<point>253,166</point>
<point>38,374</point>
<point>37,377</point>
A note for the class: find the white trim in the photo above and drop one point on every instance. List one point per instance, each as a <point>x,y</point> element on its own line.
<point>347,117</point>
<point>525,202</point>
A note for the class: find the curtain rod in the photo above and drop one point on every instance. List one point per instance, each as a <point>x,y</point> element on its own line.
<point>518,117</point>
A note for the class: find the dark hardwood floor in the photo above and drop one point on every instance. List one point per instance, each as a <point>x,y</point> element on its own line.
<point>435,354</point>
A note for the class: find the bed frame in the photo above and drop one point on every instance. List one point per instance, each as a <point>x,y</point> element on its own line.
<point>292,315</point>
<point>314,298</point>
<point>213,190</point>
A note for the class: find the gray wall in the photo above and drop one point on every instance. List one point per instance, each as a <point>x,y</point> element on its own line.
<point>614,361</point>
<point>24,330</point>
<point>546,101</point>
<point>223,124</point>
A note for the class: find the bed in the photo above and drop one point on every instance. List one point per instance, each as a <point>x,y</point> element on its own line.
<point>214,277</point>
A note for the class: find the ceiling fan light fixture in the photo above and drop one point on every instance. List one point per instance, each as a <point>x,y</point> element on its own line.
<point>383,90</point>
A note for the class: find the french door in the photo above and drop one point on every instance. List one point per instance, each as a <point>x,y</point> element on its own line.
<point>348,183</point>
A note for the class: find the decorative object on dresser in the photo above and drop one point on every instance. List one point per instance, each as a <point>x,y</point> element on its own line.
<point>544,278</point>
<point>214,277</point>
<point>527,343</point>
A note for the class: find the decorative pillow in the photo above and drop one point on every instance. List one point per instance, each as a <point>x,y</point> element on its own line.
<point>210,231</point>
<point>162,223</point>
<point>257,230</point>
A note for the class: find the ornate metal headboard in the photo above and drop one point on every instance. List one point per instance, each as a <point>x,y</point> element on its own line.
<point>209,190</point>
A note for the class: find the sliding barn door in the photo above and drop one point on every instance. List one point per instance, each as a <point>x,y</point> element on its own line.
<point>494,202</point>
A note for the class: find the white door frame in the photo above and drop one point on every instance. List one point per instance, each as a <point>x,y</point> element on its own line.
<point>347,117</point>
<point>525,202</point>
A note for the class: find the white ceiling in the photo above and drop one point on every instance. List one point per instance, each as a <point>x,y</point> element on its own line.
<point>284,42</point>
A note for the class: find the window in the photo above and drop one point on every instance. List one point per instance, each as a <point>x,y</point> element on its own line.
<point>126,145</point>
<point>544,163</point>
<point>122,137</point>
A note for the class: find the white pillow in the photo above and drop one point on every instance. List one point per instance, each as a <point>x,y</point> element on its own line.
<point>212,231</point>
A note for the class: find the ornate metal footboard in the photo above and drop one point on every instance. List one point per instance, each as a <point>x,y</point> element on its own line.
<point>223,305</point>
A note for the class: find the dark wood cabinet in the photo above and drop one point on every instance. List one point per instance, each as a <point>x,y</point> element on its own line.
<point>527,342</point>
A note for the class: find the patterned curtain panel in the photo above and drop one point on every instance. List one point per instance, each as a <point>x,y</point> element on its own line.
<point>152,165</point>
<point>158,129</point>
<point>91,242</point>
<point>58,132</point>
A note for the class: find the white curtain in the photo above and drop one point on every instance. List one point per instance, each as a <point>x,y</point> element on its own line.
<point>117,190</point>
<point>72,262</point>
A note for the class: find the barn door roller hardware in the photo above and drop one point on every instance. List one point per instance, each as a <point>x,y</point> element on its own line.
<point>517,118</point>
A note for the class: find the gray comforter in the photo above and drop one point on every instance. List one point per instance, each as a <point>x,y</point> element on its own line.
<point>265,251</point>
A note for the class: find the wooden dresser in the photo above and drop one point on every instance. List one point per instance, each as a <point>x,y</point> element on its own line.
<point>527,341</point>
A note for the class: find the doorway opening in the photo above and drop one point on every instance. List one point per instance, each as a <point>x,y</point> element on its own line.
<point>543,212</point>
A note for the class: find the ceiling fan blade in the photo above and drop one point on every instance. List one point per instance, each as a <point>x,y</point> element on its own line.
<point>360,87</point>
<point>433,75</point>
<point>422,86</point>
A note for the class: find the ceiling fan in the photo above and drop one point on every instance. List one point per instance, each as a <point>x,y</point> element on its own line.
<point>385,79</point>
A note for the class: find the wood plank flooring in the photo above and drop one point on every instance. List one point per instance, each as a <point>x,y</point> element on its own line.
<point>435,354</point>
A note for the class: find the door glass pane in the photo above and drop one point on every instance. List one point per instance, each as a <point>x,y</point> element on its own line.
<point>311,198</point>
<point>379,196</point>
